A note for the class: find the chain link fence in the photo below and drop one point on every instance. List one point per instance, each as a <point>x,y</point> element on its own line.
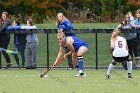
<point>48,48</point>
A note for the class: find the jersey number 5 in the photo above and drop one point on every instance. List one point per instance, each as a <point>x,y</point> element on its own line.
<point>120,44</point>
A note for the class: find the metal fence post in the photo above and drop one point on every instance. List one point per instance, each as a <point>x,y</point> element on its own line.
<point>96,49</point>
<point>47,50</point>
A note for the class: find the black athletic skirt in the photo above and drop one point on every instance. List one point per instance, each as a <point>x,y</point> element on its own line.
<point>120,59</point>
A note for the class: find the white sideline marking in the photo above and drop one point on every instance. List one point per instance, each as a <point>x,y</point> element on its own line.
<point>73,85</point>
<point>112,85</point>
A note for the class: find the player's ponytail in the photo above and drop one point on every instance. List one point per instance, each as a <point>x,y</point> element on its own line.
<point>115,33</point>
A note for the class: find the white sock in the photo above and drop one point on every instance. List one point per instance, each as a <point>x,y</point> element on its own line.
<point>81,71</point>
<point>110,68</point>
<point>129,66</point>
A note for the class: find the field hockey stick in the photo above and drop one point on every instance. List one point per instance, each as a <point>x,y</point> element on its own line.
<point>56,63</point>
<point>8,51</point>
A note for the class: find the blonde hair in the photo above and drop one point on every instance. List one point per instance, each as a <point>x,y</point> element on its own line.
<point>60,34</point>
<point>63,18</point>
<point>6,13</point>
<point>115,33</point>
<point>138,11</point>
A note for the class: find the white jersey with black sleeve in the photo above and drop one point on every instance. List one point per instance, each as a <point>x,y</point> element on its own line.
<point>120,49</point>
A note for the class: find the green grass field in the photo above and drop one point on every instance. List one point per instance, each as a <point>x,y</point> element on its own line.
<point>63,81</point>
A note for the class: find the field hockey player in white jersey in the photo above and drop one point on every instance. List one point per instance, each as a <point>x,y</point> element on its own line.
<point>119,50</point>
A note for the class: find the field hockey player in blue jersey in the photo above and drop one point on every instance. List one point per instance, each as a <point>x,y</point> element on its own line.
<point>77,48</point>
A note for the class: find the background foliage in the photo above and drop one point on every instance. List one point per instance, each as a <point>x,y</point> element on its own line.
<point>76,10</point>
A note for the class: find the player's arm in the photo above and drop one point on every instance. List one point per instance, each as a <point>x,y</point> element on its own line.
<point>69,44</point>
<point>60,53</point>
<point>126,45</point>
<point>132,23</point>
<point>68,25</point>
<point>61,50</point>
<point>137,26</point>
<point>111,45</point>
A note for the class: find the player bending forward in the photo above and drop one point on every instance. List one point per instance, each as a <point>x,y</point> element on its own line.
<point>77,48</point>
<point>120,53</point>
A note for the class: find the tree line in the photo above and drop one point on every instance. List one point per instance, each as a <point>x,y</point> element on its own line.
<point>76,10</point>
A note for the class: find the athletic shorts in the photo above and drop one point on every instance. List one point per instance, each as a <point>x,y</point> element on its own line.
<point>121,59</point>
<point>84,44</point>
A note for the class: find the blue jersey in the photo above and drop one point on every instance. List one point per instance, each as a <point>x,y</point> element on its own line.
<point>78,43</point>
<point>67,26</point>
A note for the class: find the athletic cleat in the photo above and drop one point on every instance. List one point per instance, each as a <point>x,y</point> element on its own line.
<point>130,75</point>
<point>70,68</point>
<point>81,74</point>
<point>107,77</point>
<point>16,66</point>
<point>29,67</point>
<point>77,75</point>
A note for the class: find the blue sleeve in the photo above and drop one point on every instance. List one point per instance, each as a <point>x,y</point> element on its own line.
<point>17,27</point>
<point>10,28</point>
<point>60,26</point>
<point>68,25</point>
<point>65,25</point>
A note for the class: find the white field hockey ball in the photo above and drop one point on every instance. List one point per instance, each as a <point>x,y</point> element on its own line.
<point>45,76</point>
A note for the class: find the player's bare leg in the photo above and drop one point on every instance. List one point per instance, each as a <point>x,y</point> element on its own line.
<point>82,50</point>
